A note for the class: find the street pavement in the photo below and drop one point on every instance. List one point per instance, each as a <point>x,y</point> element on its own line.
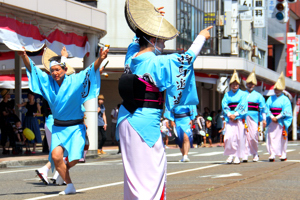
<point>207,176</point>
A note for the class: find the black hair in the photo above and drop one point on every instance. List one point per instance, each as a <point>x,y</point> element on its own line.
<point>55,58</point>
<point>141,35</point>
<point>30,92</point>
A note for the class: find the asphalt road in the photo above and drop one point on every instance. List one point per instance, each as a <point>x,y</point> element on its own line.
<point>205,177</point>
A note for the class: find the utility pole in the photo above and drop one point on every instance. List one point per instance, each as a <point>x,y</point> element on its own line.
<point>219,29</point>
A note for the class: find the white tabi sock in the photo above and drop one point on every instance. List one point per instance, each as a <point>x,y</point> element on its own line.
<point>56,174</point>
<point>69,190</point>
<point>44,170</point>
<point>185,157</point>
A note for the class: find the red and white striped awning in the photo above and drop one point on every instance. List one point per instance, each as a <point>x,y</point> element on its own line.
<point>15,34</point>
<point>7,81</point>
<point>206,78</point>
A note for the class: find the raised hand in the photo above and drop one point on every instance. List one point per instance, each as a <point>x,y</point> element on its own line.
<point>22,53</point>
<point>103,53</point>
<point>205,32</point>
<point>64,52</point>
<point>160,11</point>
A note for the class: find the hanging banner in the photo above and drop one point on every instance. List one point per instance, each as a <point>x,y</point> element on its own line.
<point>289,60</point>
<point>291,43</point>
<point>76,45</point>
<point>15,34</point>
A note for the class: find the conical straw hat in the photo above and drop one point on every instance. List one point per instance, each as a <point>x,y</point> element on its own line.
<point>235,77</point>
<point>143,15</point>
<point>48,53</point>
<point>252,77</point>
<point>280,83</point>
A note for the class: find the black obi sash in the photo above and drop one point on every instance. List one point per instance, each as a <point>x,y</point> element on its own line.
<point>275,111</point>
<point>232,106</point>
<point>253,106</point>
<point>137,93</point>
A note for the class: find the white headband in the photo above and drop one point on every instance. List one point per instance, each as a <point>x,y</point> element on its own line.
<point>62,63</point>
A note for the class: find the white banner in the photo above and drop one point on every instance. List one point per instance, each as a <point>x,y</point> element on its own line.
<point>259,17</point>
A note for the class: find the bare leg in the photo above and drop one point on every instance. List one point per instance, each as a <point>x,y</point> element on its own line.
<point>167,141</point>
<point>204,138</point>
<point>185,145</point>
<point>34,146</point>
<point>61,167</point>
<point>210,142</point>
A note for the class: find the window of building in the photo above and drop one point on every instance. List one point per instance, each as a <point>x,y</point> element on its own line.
<point>192,16</point>
<point>261,57</point>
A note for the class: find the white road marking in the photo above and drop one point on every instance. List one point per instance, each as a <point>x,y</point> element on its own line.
<point>199,162</point>
<point>121,182</point>
<point>210,153</point>
<point>293,144</point>
<point>14,171</point>
<point>221,175</point>
<point>80,190</point>
<point>194,169</point>
<point>178,154</point>
<point>79,164</point>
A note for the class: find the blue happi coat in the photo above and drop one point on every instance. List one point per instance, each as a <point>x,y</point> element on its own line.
<point>284,103</point>
<point>172,73</point>
<point>66,103</point>
<point>256,97</point>
<point>239,97</point>
<point>182,124</point>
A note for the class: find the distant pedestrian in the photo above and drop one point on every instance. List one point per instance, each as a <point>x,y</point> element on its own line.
<point>102,124</point>
<point>114,119</point>
<point>7,119</point>
<point>200,128</point>
<point>166,133</point>
<point>208,131</point>
<point>31,122</point>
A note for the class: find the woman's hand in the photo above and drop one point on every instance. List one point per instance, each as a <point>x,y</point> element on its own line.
<point>160,11</point>
<point>275,120</point>
<point>205,32</point>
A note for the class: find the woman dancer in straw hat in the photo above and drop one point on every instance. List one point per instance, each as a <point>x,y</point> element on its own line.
<point>256,113</point>
<point>65,95</point>
<point>234,105</point>
<point>141,88</point>
<point>279,119</point>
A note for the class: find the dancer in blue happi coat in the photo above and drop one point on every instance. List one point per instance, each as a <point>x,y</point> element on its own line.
<point>234,105</point>
<point>181,118</point>
<point>279,119</point>
<point>256,113</point>
<point>65,95</point>
<point>147,75</point>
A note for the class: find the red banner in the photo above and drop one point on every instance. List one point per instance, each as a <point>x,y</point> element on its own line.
<point>289,60</point>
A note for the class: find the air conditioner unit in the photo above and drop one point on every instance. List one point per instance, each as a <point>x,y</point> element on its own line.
<point>244,45</point>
